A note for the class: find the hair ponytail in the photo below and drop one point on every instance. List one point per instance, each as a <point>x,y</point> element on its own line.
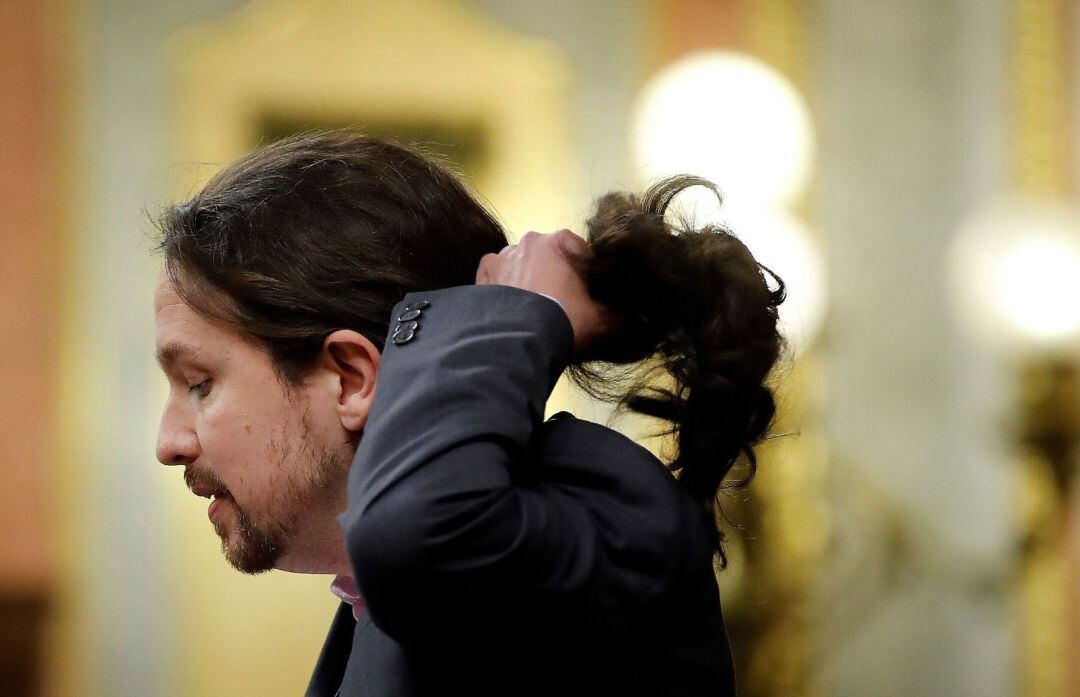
<point>696,304</point>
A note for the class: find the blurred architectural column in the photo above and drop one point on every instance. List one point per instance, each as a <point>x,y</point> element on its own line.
<point>1043,140</point>
<point>30,86</point>
<point>910,99</point>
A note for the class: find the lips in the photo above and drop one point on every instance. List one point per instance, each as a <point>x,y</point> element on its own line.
<point>206,491</point>
<point>207,486</point>
<point>215,506</point>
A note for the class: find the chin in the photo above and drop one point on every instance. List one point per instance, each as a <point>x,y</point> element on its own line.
<point>248,565</point>
<point>249,556</point>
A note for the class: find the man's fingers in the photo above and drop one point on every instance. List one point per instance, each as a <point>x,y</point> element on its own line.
<point>483,268</point>
<point>571,242</point>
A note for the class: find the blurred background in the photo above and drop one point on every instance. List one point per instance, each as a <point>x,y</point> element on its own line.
<point>909,167</point>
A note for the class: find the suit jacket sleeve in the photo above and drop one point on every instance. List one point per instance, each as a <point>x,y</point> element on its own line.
<point>446,525</point>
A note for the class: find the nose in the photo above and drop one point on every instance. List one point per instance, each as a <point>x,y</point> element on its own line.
<point>177,443</point>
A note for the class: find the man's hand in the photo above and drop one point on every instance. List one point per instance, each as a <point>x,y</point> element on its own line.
<point>539,263</point>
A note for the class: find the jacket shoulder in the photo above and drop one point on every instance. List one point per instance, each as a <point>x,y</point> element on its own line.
<point>651,524</point>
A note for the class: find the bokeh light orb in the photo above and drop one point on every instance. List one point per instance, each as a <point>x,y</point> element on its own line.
<point>730,118</point>
<point>1015,268</point>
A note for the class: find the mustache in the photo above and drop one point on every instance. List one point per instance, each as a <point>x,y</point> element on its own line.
<point>206,478</point>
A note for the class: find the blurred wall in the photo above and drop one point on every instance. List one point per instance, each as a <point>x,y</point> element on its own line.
<point>608,44</point>
<point>913,117</point>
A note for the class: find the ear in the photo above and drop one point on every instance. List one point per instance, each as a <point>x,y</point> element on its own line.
<point>354,362</point>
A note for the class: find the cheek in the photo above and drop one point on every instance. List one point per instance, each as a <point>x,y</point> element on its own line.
<point>239,444</point>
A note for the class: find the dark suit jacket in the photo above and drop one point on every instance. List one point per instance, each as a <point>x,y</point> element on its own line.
<point>501,554</point>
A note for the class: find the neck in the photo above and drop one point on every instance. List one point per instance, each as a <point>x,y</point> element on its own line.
<point>321,552</point>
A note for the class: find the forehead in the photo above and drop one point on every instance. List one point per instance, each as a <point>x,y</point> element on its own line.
<point>164,293</point>
<point>169,308</point>
<point>180,331</point>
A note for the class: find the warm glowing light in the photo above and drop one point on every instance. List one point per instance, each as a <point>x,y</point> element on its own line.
<point>1039,287</point>
<point>1017,270</point>
<point>730,118</point>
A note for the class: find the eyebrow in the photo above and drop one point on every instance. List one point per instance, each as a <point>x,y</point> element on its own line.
<point>173,351</point>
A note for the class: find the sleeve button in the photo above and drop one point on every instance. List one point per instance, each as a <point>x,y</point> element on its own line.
<point>403,335</point>
<point>409,314</point>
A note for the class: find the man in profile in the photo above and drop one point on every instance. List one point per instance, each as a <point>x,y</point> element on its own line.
<point>358,366</point>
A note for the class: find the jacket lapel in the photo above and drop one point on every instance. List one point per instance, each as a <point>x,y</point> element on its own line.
<point>330,668</point>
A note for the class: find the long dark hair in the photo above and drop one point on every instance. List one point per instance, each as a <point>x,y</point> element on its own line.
<point>325,230</point>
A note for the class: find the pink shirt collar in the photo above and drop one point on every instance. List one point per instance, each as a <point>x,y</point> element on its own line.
<point>345,588</point>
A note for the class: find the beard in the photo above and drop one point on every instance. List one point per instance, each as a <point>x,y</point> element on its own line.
<point>259,546</point>
<point>308,474</point>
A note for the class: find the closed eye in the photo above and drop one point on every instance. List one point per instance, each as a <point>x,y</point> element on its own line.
<point>202,389</point>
